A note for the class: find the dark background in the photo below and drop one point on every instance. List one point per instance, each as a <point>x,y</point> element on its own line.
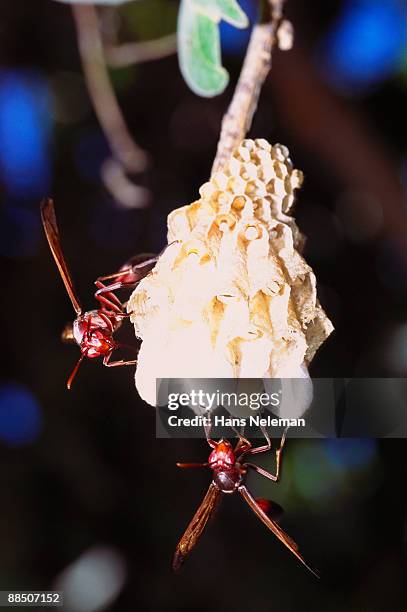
<point>84,482</point>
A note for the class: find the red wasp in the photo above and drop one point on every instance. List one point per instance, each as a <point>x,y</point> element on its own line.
<point>229,468</point>
<point>93,330</point>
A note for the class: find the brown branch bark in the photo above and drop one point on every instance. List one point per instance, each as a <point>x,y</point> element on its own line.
<point>256,66</point>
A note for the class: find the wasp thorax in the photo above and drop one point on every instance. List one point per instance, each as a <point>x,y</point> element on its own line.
<point>239,239</point>
<point>222,457</point>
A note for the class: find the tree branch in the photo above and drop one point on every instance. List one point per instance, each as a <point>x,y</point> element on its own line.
<point>128,54</point>
<point>103,97</point>
<point>256,66</point>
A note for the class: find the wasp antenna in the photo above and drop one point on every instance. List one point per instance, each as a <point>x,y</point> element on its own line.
<point>74,372</point>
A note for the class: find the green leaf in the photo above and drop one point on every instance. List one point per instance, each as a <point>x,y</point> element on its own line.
<point>228,10</point>
<point>199,42</point>
<point>199,52</point>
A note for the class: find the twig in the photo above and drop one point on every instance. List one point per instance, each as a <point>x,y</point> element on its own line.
<point>124,191</point>
<point>132,157</point>
<point>256,66</point>
<point>137,52</point>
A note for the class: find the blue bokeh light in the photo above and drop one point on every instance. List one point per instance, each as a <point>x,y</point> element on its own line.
<point>234,40</point>
<point>366,43</point>
<point>91,150</point>
<point>350,453</point>
<point>25,124</point>
<point>20,415</point>
<point>19,231</point>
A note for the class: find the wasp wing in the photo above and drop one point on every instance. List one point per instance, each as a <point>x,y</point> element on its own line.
<point>276,529</point>
<point>196,526</point>
<point>51,231</point>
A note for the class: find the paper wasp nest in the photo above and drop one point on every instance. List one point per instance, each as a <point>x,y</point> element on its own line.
<point>231,296</point>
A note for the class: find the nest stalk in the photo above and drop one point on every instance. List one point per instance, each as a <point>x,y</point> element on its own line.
<point>256,66</point>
